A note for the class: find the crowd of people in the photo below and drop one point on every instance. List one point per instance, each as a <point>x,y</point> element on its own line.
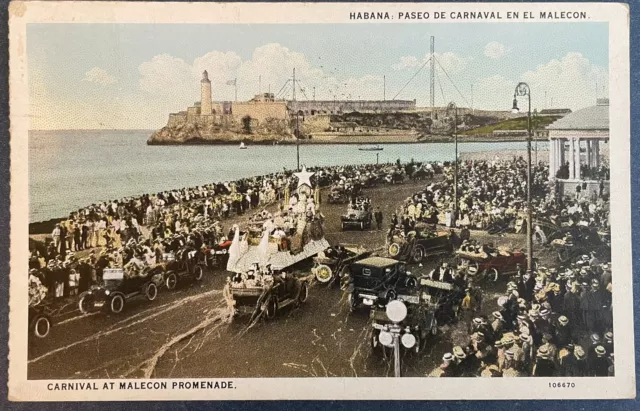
<point>143,228</point>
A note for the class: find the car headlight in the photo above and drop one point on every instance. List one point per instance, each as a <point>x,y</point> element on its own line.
<point>408,340</point>
<point>107,292</point>
<point>385,338</point>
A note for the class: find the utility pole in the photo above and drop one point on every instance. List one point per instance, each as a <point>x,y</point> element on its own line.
<point>314,93</point>
<point>384,88</point>
<point>297,132</point>
<point>432,87</point>
<point>259,84</point>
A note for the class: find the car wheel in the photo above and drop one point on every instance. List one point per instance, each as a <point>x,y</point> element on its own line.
<point>116,305</point>
<point>171,281</point>
<point>493,274</point>
<point>394,249</point>
<point>412,282</point>
<point>41,327</point>
<point>323,273</point>
<point>151,291</point>
<point>271,308</point>
<point>198,273</point>
<point>84,305</point>
<point>418,254</point>
<point>304,293</point>
<point>391,295</point>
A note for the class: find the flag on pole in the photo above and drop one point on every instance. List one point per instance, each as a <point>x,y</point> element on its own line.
<point>231,82</point>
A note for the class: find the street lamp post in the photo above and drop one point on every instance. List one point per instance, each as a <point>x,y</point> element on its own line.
<point>453,106</point>
<point>522,89</point>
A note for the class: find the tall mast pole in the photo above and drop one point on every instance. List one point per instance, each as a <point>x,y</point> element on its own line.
<point>295,107</point>
<point>384,88</point>
<point>432,87</point>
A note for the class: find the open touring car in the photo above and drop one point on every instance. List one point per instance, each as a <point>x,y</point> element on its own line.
<point>418,245</point>
<point>116,289</point>
<point>264,295</point>
<point>490,265</point>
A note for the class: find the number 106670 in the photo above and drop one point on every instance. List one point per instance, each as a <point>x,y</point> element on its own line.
<point>562,385</point>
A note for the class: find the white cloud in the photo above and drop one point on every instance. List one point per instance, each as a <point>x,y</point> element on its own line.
<point>99,76</point>
<point>569,82</point>
<point>494,50</point>
<point>451,62</point>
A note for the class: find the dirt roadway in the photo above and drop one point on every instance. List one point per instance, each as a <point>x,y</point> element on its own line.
<point>185,333</point>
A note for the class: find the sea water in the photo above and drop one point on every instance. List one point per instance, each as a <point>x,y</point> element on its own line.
<point>72,169</point>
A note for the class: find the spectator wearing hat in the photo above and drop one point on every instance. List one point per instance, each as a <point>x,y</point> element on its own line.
<point>608,342</point>
<point>445,369</point>
<point>510,368</point>
<point>577,366</point>
<point>562,332</point>
<point>544,366</point>
<point>591,351</point>
<point>497,325</point>
<point>460,365</point>
<point>571,305</point>
<point>600,364</point>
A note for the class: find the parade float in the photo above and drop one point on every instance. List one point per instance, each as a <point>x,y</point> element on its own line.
<point>262,257</point>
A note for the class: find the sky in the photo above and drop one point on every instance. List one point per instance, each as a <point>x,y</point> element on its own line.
<point>131,76</point>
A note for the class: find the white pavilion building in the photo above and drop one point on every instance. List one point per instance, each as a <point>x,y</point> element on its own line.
<point>575,141</point>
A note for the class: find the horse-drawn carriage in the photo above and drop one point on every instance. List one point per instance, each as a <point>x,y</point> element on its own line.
<point>116,288</point>
<point>419,244</point>
<point>332,264</point>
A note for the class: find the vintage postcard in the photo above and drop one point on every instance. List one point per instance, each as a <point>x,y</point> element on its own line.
<point>320,201</point>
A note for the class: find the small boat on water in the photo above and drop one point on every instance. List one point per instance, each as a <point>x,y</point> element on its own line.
<point>376,147</point>
<point>242,146</point>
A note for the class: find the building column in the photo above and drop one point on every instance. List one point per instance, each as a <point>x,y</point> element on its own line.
<point>572,158</point>
<point>596,153</point>
<point>576,162</point>
<point>588,154</point>
<point>560,152</point>
<point>552,158</point>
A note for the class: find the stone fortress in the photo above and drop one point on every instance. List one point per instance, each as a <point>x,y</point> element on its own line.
<point>263,118</point>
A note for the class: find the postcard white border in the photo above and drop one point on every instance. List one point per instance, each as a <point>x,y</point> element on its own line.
<point>620,386</point>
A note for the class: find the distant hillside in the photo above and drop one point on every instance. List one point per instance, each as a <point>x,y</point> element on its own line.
<point>519,123</point>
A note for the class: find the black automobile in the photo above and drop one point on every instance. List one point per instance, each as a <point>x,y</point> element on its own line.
<point>419,244</point>
<point>376,280</point>
<point>360,218</point>
<point>331,265</point>
<point>116,288</point>
<point>415,330</point>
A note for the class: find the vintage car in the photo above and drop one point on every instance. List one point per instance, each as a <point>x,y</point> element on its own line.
<point>264,295</point>
<point>217,255</point>
<point>116,289</point>
<point>360,218</point>
<point>580,241</point>
<point>39,321</point>
<point>337,195</point>
<point>444,298</point>
<point>419,244</point>
<point>414,330</point>
<point>376,280</point>
<point>482,265</point>
<point>395,177</point>
<point>332,264</point>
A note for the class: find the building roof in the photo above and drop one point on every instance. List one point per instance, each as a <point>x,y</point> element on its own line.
<point>378,261</point>
<point>589,118</point>
<point>552,111</point>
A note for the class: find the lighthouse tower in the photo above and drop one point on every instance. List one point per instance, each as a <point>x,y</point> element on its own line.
<point>205,94</point>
